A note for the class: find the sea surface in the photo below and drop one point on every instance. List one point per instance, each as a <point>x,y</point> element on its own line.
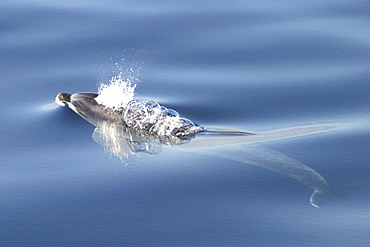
<point>252,66</point>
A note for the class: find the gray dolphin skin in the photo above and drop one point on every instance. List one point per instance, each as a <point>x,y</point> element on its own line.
<point>85,105</point>
<point>233,145</point>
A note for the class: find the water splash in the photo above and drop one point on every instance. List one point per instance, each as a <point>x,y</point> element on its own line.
<point>120,90</point>
<point>145,117</point>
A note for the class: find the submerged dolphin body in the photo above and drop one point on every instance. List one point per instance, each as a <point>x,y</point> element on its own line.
<point>112,132</point>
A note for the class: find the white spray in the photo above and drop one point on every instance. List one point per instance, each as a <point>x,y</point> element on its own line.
<point>118,91</point>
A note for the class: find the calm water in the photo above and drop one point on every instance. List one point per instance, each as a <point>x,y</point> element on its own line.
<point>241,65</point>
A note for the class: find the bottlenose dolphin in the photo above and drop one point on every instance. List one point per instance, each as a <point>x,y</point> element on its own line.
<point>121,140</point>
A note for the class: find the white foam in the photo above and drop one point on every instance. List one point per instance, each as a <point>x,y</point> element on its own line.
<point>158,120</point>
<point>117,92</point>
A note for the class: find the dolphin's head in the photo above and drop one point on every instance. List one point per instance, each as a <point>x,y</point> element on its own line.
<point>62,98</point>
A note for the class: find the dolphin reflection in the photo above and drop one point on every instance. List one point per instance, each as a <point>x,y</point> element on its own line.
<point>123,138</point>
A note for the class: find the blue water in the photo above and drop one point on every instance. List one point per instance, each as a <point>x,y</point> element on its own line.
<point>243,65</point>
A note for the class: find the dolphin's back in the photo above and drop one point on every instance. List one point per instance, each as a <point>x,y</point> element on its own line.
<point>85,105</point>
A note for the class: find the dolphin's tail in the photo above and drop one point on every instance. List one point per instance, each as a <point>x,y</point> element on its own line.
<point>317,197</point>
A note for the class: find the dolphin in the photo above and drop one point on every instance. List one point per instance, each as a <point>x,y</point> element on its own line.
<point>122,141</point>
